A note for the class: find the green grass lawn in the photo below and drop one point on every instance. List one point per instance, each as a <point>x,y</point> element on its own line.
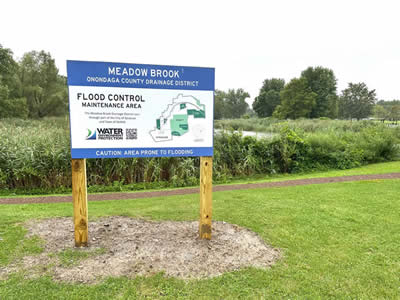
<point>381,168</point>
<point>338,240</point>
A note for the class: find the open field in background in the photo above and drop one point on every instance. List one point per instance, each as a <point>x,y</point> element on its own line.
<point>338,241</point>
<point>35,155</point>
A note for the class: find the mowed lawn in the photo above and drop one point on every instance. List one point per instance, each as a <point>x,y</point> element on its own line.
<point>338,240</point>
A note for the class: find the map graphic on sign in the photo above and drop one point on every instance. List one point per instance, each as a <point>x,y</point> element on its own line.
<point>177,118</point>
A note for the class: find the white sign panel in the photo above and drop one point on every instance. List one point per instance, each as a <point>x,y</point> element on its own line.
<point>130,110</point>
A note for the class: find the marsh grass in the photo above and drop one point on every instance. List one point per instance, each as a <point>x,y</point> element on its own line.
<point>35,154</point>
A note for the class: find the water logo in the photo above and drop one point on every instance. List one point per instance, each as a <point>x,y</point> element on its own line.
<point>91,135</point>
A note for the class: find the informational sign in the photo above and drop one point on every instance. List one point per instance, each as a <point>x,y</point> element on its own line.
<point>135,110</point>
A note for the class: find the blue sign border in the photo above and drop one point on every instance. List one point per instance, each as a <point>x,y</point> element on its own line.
<point>140,152</point>
<point>90,73</point>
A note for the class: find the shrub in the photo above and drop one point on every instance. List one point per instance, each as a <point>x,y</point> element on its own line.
<point>290,151</point>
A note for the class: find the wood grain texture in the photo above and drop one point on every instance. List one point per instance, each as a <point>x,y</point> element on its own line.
<point>79,198</point>
<point>205,197</point>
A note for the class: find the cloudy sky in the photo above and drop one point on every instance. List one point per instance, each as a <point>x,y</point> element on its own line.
<point>246,41</point>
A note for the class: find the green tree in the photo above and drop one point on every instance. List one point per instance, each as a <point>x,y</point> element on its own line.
<point>356,101</point>
<point>43,88</point>
<point>394,113</point>
<point>9,72</point>
<point>7,62</point>
<point>269,97</point>
<point>219,104</point>
<point>11,104</point>
<point>279,112</point>
<point>231,104</point>
<point>297,100</point>
<point>380,112</point>
<point>236,104</point>
<point>322,82</point>
<point>11,108</point>
<point>388,106</point>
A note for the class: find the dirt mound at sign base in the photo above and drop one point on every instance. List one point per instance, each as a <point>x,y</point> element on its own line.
<point>122,246</point>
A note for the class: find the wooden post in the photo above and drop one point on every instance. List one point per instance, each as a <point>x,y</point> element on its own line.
<point>79,198</point>
<point>205,197</point>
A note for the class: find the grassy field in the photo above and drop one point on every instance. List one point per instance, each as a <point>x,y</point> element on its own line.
<point>338,241</point>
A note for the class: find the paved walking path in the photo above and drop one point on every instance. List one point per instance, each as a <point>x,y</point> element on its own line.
<point>216,188</point>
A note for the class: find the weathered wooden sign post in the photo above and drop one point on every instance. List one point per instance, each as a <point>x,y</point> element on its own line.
<point>205,197</point>
<point>79,198</point>
<point>135,110</point>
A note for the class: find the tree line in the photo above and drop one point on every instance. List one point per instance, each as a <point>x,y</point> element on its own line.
<point>387,110</point>
<point>314,95</point>
<point>31,87</point>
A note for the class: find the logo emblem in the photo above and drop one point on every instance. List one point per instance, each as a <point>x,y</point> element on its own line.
<point>91,135</point>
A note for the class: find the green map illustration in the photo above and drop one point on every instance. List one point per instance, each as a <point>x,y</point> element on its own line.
<point>174,120</point>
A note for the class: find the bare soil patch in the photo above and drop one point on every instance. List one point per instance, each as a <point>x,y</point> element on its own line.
<point>122,246</point>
